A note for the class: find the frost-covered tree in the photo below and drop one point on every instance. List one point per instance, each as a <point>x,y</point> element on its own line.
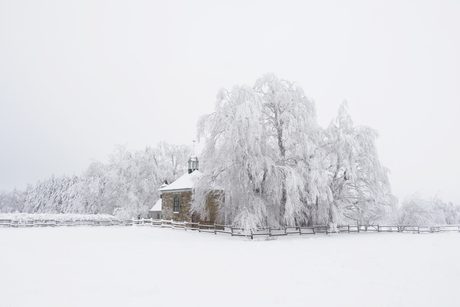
<point>132,178</point>
<point>418,211</point>
<point>92,187</point>
<point>294,136</point>
<point>170,160</point>
<point>451,213</point>
<point>274,165</point>
<point>126,186</point>
<point>11,201</point>
<point>262,151</point>
<point>358,181</point>
<point>54,195</point>
<point>431,211</point>
<point>236,158</point>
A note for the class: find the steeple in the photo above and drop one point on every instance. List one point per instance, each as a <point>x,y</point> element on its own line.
<point>193,161</point>
<point>192,164</point>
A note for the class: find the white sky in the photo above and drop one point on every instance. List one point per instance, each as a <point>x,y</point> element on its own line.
<point>78,77</point>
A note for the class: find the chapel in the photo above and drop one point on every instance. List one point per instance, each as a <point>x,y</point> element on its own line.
<point>175,199</point>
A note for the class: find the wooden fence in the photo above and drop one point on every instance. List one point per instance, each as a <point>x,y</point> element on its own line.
<point>233,231</point>
<point>297,230</point>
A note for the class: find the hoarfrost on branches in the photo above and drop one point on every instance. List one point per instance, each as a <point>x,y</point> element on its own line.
<point>266,162</point>
<point>126,186</point>
<point>419,211</point>
<point>260,144</point>
<point>273,165</point>
<point>358,181</point>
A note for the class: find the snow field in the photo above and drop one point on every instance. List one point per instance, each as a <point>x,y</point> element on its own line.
<point>127,266</point>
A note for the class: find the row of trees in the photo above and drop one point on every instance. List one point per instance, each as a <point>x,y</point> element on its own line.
<point>274,165</point>
<point>126,186</point>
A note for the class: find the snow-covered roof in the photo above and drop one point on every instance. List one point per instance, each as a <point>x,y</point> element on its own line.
<point>157,206</point>
<point>184,183</point>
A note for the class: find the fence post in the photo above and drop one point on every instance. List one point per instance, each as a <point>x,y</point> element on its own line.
<point>231,230</point>
<point>270,231</point>
<point>215,228</point>
<point>300,231</point>
<point>199,229</point>
<point>252,237</point>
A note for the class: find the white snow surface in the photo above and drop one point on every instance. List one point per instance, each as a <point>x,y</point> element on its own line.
<point>185,182</point>
<point>129,266</point>
<point>157,206</point>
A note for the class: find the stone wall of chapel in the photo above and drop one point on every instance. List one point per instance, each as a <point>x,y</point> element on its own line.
<point>185,199</point>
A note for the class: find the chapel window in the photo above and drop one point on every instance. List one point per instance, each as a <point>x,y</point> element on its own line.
<point>176,204</point>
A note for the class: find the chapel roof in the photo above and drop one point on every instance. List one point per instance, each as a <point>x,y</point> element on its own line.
<point>157,206</point>
<point>184,183</point>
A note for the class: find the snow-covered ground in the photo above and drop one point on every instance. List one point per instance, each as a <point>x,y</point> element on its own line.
<point>129,266</point>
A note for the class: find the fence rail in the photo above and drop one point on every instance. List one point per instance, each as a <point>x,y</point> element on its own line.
<point>231,230</point>
<point>300,230</point>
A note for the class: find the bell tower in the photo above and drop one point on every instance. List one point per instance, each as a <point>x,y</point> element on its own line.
<point>193,162</point>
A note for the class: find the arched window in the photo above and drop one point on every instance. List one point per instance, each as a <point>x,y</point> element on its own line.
<point>176,204</point>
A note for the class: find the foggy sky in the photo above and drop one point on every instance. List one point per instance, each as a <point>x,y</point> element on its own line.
<point>77,78</point>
